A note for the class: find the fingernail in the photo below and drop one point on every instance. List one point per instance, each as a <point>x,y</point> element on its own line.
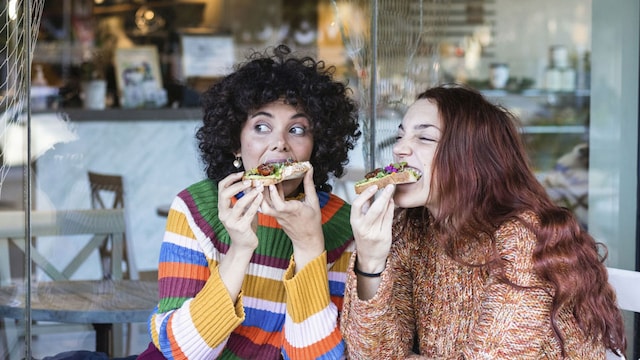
<point>246,182</point>
<point>389,188</point>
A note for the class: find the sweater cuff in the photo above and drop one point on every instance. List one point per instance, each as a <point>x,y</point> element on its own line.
<point>307,291</point>
<point>383,294</point>
<point>212,310</point>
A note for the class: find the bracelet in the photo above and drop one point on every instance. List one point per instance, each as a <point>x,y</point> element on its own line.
<point>369,275</point>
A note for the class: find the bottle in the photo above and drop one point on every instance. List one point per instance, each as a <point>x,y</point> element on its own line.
<point>559,75</point>
<point>39,79</point>
<point>498,75</point>
<point>39,89</point>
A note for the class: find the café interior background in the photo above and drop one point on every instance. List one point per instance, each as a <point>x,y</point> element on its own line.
<point>470,37</point>
<point>534,57</point>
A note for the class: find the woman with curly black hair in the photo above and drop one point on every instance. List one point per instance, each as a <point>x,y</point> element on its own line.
<point>253,271</point>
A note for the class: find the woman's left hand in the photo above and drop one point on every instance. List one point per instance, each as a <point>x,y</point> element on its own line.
<point>300,219</point>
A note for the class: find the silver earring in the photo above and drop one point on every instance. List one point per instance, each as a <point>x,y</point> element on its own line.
<point>237,163</point>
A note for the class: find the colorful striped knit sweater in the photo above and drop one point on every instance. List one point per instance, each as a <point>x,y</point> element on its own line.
<point>278,314</point>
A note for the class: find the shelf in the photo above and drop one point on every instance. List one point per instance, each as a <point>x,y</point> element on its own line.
<point>120,8</point>
<point>554,129</point>
<point>535,93</point>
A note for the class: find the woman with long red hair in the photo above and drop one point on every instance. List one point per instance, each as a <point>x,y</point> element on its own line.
<point>473,261</point>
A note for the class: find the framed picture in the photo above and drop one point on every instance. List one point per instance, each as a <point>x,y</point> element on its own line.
<point>206,55</point>
<point>138,77</point>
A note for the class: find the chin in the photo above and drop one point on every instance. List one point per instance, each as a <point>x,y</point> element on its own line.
<point>407,198</point>
<point>290,187</point>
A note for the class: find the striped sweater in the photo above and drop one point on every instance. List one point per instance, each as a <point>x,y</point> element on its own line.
<point>278,314</point>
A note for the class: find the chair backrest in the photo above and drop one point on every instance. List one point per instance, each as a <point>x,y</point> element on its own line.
<point>103,185</point>
<point>107,192</point>
<point>627,286</point>
<point>97,223</point>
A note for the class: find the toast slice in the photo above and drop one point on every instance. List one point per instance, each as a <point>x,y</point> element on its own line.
<point>274,173</point>
<point>394,173</point>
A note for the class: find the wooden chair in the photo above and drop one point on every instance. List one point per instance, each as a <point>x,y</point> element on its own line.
<point>627,286</point>
<point>107,192</point>
<point>61,226</point>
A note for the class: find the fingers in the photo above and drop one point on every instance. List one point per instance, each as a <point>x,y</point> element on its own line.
<point>367,215</point>
<point>362,203</point>
<point>248,204</point>
<point>311,196</point>
<point>230,180</point>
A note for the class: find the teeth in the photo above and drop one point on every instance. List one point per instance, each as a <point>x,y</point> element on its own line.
<point>416,170</point>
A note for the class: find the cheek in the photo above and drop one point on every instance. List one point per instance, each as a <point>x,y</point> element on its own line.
<point>302,148</point>
<point>251,152</point>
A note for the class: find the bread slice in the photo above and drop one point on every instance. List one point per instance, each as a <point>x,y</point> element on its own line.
<point>396,173</point>
<point>277,172</point>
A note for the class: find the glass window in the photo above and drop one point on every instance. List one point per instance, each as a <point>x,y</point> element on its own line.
<point>114,102</point>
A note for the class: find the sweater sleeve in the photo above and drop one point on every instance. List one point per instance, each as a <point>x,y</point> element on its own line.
<point>382,327</point>
<point>195,315</point>
<point>311,327</point>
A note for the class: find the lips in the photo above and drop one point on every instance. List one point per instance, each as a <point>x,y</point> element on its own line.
<point>277,161</point>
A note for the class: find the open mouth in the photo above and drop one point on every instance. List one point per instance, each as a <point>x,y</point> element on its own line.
<point>416,171</point>
<point>278,161</point>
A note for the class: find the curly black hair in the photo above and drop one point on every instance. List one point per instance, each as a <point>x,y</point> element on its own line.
<point>264,78</point>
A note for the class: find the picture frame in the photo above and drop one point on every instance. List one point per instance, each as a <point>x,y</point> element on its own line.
<point>138,77</point>
<point>205,54</point>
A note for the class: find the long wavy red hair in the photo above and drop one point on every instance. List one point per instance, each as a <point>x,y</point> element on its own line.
<point>483,178</point>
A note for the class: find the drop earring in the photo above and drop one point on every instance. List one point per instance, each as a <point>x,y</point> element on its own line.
<point>237,163</point>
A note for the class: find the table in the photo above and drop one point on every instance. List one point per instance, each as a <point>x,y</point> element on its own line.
<point>101,303</point>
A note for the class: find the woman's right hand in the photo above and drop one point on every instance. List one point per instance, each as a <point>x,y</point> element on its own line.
<point>371,223</point>
<point>239,217</point>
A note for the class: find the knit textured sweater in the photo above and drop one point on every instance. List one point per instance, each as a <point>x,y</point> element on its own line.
<point>448,310</point>
<point>278,314</point>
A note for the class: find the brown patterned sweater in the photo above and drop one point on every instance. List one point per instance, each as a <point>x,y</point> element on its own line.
<point>457,311</point>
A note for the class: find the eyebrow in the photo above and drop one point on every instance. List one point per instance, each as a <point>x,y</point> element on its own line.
<point>420,127</point>
<point>270,115</point>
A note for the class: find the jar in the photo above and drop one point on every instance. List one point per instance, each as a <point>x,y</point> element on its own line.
<point>498,75</point>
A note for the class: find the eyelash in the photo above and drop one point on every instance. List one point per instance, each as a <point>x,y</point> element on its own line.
<point>265,127</point>
<point>303,130</point>
<point>422,138</point>
<point>261,127</point>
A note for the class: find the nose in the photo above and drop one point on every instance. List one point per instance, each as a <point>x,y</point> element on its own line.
<point>401,148</point>
<point>280,144</point>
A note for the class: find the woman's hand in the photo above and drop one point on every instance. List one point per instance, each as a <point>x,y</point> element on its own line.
<point>239,220</point>
<point>371,224</point>
<point>239,217</point>
<point>300,219</point>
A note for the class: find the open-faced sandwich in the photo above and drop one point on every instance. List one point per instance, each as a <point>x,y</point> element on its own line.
<point>394,173</point>
<point>276,172</point>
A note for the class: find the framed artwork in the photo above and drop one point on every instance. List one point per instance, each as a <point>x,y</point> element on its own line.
<point>138,77</point>
<point>206,55</point>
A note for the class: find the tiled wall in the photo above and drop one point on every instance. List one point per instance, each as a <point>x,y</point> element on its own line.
<point>156,158</point>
